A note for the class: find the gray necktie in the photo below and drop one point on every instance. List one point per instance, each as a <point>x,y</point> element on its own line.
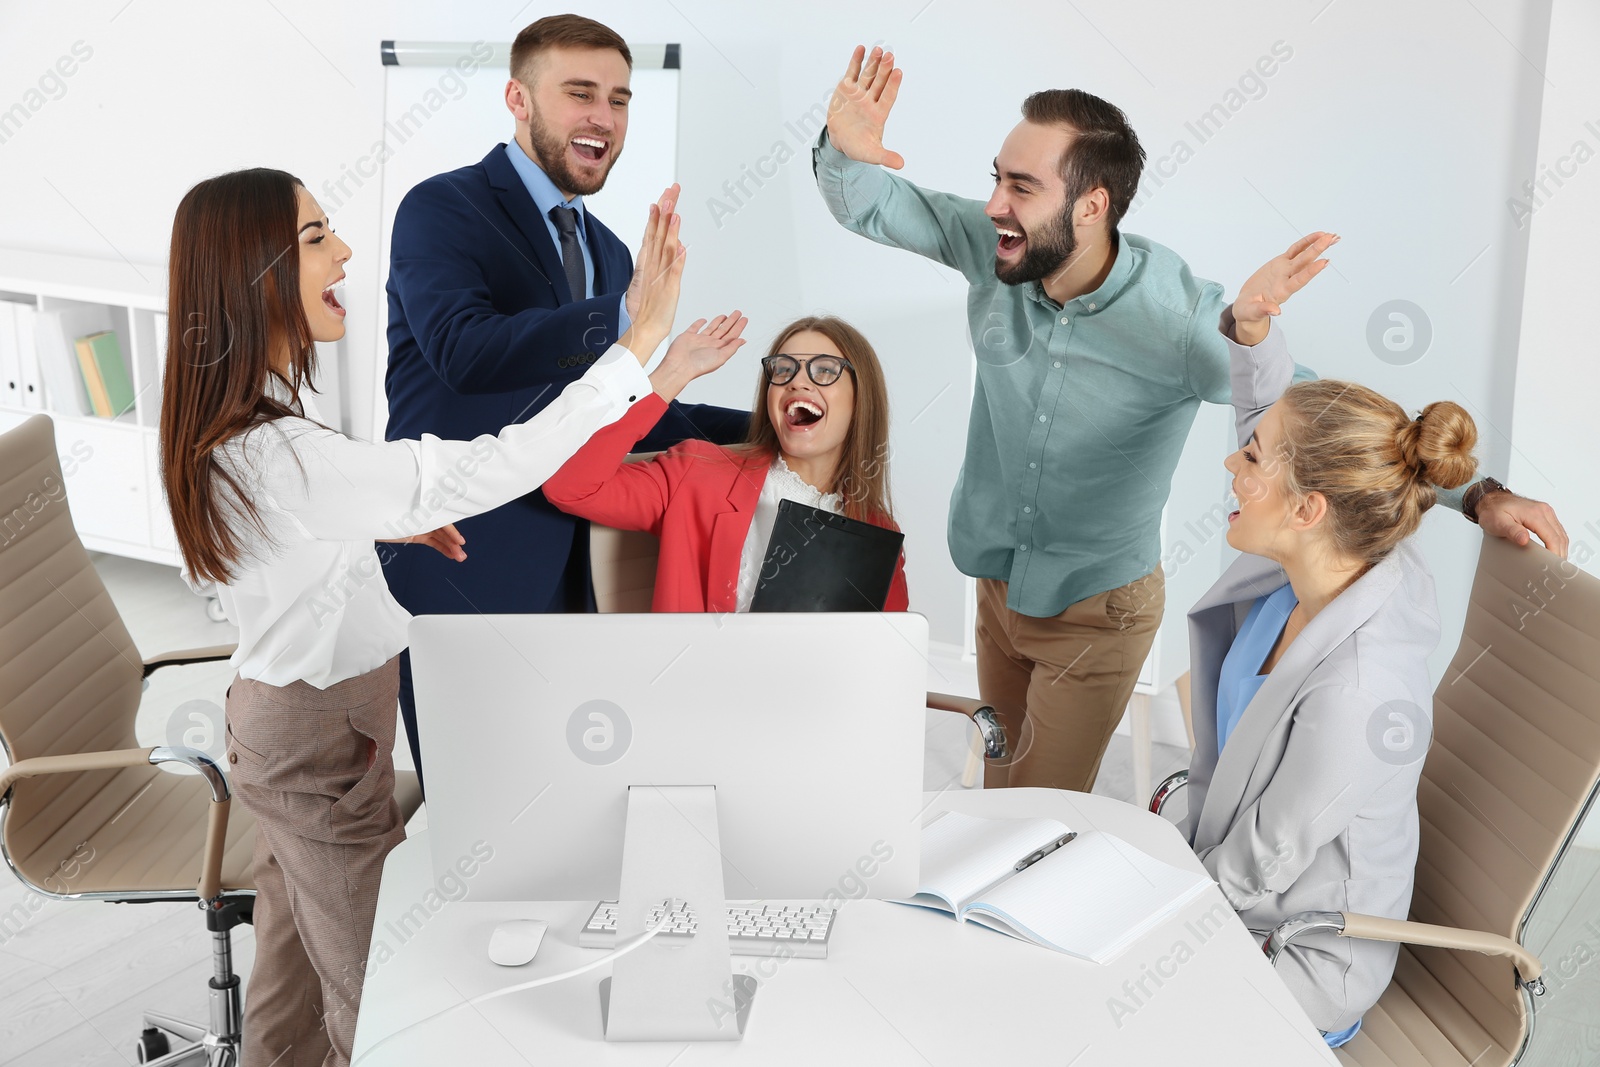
<point>566,220</point>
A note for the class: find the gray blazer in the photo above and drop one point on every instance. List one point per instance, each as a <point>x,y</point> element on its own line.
<point>1313,803</point>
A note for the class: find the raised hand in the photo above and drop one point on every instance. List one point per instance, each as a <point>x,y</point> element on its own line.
<point>700,349</point>
<point>666,206</point>
<point>659,275</point>
<point>1263,293</point>
<point>861,106</point>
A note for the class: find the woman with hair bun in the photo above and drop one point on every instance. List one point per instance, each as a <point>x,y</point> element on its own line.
<point>1312,702</point>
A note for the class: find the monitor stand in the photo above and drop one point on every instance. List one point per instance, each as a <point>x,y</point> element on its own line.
<point>674,988</point>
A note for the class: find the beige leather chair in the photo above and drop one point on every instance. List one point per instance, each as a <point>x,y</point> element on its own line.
<point>85,812</point>
<point>622,564</point>
<point>1513,769</point>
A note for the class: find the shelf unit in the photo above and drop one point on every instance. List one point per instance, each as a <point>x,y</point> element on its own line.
<point>110,466</point>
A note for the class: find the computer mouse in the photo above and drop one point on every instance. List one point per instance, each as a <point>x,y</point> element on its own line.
<point>516,941</point>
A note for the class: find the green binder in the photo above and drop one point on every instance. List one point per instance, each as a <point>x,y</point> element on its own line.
<point>117,397</point>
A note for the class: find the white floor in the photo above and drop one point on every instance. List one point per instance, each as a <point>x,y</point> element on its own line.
<point>75,977</point>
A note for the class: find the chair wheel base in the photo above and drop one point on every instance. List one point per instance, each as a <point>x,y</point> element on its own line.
<point>152,1045</point>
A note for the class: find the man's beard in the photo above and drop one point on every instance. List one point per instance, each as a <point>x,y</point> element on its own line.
<point>550,152</point>
<point>1048,251</point>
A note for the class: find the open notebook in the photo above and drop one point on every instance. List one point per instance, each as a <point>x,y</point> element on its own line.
<point>1091,897</point>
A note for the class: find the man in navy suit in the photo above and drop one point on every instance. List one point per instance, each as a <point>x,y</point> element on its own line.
<point>502,290</point>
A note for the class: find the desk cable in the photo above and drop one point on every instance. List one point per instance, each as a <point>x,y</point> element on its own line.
<point>549,979</point>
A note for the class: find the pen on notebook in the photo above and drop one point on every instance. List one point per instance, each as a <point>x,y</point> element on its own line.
<point>1034,857</point>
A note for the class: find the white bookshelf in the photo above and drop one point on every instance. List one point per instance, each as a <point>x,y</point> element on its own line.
<point>110,466</point>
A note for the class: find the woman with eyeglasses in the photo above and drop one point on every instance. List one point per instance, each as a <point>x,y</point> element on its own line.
<point>819,435</point>
<point>278,513</point>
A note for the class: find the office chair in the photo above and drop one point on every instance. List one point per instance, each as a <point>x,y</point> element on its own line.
<point>86,813</point>
<point>622,564</point>
<point>1513,769</point>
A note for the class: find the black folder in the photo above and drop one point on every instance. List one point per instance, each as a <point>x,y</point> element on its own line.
<point>819,561</point>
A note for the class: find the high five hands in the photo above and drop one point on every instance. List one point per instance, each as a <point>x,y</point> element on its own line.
<point>652,303</point>
<point>1263,293</point>
<point>700,349</point>
<point>861,106</point>
<point>652,298</point>
<point>1515,518</point>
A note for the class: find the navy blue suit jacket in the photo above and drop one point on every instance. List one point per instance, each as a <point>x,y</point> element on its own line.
<point>483,332</point>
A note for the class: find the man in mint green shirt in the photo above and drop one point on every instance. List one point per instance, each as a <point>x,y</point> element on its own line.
<point>1094,350</point>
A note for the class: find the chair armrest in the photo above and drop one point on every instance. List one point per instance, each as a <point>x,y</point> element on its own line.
<point>1169,785</point>
<point>217,818</point>
<point>960,705</point>
<point>71,763</point>
<point>982,716</point>
<point>188,655</point>
<point>1373,928</point>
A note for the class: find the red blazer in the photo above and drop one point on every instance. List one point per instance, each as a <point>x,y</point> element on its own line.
<point>698,499</point>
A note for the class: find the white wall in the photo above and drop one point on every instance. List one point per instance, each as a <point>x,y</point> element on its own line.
<point>1557,372</point>
<point>1405,127</point>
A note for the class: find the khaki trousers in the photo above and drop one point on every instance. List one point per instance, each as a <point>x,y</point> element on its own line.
<point>315,768</point>
<point>1060,685</point>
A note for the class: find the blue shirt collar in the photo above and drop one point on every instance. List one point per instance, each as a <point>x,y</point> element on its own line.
<point>541,188</point>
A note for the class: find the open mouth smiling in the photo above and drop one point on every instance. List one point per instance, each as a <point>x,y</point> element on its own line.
<point>592,149</point>
<point>802,414</point>
<point>1010,240</point>
<point>330,299</point>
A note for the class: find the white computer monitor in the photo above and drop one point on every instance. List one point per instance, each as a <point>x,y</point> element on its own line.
<point>810,727</point>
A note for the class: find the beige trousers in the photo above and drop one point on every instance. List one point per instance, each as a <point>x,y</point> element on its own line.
<point>1060,685</point>
<point>315,768</point>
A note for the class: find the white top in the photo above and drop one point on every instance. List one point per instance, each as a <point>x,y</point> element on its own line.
<point>781,484</point>
<point>309,599</point>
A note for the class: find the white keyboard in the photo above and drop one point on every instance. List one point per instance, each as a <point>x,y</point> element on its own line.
<point>800,930</point>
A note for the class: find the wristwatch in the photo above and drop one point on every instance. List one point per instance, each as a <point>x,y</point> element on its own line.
<point>1475,494</point>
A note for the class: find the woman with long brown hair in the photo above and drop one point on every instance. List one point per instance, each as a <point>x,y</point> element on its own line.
<point>819,435</point>
<point>278,514</point>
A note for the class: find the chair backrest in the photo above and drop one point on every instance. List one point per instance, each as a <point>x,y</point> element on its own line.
<point>622,564</point>
<point>1514,764</point>
<point>70,676</point>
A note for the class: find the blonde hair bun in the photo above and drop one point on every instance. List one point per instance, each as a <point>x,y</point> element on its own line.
<point>1438,444</point>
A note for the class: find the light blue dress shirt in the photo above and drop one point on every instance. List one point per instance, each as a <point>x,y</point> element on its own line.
<point>1240,680</point>
<point>1241,677</point>
<point>546,196</point>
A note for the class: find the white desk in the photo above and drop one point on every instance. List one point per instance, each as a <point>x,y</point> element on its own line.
<point>901,985</point>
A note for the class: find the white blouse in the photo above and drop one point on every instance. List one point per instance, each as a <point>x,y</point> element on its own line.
<point>309,598</point>
<point>781,484</point>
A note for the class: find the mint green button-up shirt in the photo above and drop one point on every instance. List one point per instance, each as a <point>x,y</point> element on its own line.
<point>1079,412</point>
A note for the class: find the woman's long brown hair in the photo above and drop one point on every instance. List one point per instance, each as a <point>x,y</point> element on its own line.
<point>233,294</point>
<point>862,479</point>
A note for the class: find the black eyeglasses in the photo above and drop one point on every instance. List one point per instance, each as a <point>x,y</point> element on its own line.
<point>822,369</point>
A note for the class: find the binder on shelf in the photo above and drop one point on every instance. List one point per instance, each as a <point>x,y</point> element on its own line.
<point>160,319</point>
<point>28,356</point>
<point>10,358</point>
<point>63,385</point>
<point>105,376</point>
